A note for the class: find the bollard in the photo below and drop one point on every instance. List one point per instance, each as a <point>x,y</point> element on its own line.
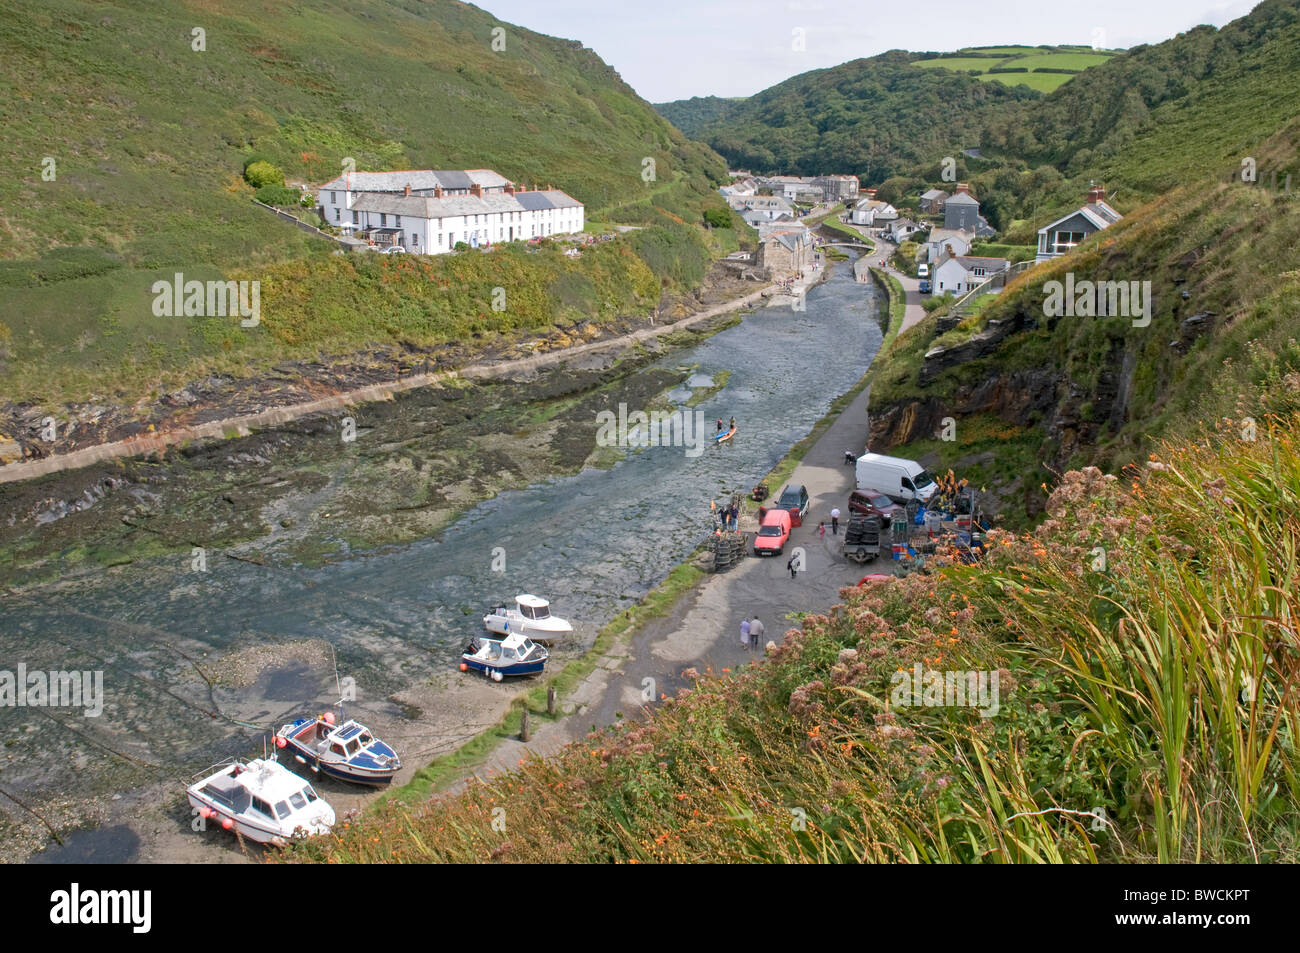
<point>550,699</point>
<point>523,726</point>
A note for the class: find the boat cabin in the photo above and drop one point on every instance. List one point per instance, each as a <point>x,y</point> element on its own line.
<point>533,607</point>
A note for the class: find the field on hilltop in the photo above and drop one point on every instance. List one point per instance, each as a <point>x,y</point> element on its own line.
<point>1044,68</point>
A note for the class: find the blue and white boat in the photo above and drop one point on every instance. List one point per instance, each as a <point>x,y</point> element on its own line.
<point>499,658</point>
<point>349,752</point>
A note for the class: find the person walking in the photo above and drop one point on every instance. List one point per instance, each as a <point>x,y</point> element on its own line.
<point>790,566</point>
<point>821,530</point>
<point>755,633</point>
<point>744,632</point>
<point>835,521</point>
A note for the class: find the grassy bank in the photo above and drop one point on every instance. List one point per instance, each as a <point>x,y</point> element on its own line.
<point>1116,726</point>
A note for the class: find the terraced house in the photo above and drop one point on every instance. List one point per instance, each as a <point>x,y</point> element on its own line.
<point>429,212</point>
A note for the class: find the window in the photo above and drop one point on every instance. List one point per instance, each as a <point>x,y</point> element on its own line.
<point>397,221</point>
<point>1065,241</point>
<point>355,219</point>
<point>338,216</point>
<point>383,219</point>
<point>281,809</point>
<point>262,808</point>
<point>334,198</point>
<point>298,801</point>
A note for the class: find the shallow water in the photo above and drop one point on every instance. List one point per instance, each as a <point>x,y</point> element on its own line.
<point>593,543</point>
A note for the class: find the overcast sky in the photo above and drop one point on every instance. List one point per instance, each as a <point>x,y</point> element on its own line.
<point>675,49</point>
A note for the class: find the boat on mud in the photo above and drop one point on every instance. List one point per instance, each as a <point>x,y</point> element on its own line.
<point>261,800</point>
<point>531,616</point>
<point>349,752</point>
<point>502,658</point>
<point>727,434</point>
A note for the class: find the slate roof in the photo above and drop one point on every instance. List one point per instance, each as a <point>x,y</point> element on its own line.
<point>419,180</point>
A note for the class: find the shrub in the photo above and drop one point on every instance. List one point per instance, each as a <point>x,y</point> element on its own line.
<point>277,195</point>
<point>717,217</point>
<point>261,174</point>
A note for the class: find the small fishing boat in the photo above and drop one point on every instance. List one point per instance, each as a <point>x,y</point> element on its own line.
<point>722,435</point>
<point>531,616</point>
<point>349,752</point>
<point>501,658</point>
<point>262,800</point>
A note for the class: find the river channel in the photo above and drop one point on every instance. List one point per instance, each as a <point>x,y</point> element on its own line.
<point>594,543</point>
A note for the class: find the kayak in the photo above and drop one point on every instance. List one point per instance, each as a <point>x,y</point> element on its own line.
<point>722,435</point>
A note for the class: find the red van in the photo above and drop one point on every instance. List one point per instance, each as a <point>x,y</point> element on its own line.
<point>773,534</point>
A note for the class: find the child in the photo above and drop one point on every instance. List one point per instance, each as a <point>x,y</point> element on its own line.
<point>821,530</point>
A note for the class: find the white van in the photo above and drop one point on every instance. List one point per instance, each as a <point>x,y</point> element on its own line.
<point>901,480</point>
<point>923,270</point>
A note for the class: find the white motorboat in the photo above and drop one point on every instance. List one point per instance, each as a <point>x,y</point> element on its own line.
<point>531,616</point>
<point>262,799</point>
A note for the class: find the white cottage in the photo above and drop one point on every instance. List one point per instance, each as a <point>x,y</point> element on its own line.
<point>429,212</point>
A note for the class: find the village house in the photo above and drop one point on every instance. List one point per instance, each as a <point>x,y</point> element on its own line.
<point>873,213</point>
<point>758,209</point>
<point>429,212</point>
<point>963,211</point>
<point>901,230</point>
<point>933,201</point>
<point>957,240</point>
<point>961,273</point>
<point>739,187</point>
<point>1058,237</point>
<point>784,248</point>
<point>837,188</point>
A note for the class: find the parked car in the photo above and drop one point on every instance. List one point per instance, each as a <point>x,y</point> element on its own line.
<point>773,534</point>
<point>794,500</point>
<point>874,503</point>
<point>923,270</point>
<point>394,250</point>
<point>925,286</point>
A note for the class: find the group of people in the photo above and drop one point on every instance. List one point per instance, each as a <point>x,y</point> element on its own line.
<point>728,518</point>
<point>751,630</point>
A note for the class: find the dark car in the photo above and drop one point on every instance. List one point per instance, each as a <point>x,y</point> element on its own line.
<point>925,286</point>
<point>794,500</point>
<point>875,503</point>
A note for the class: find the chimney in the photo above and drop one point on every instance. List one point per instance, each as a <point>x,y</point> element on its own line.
<point>1096,194</point>
<point>437,191</point>
<point>408,188</point>
<point>510,188</point>
<point>963,187</point>
<point>476,189</point>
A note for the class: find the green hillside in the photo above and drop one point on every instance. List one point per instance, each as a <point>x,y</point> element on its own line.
<point>875,117</point>
<point>692,115</point>
<point>869,117</point>
<point>149,138</point>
